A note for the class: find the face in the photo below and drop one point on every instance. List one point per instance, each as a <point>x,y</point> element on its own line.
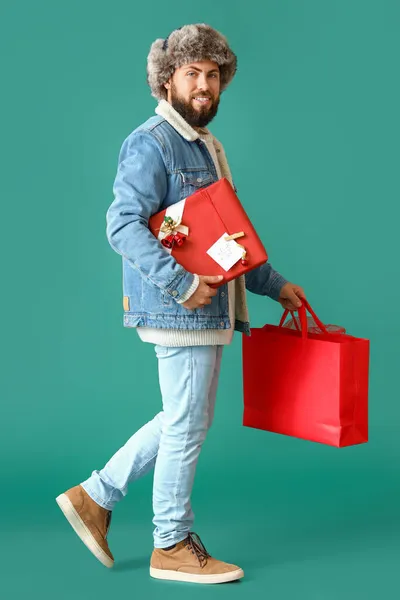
<point>194,91</point>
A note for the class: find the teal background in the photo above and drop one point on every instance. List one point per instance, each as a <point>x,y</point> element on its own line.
<point>311,130</point>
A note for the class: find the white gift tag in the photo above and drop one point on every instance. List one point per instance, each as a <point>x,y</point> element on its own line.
<point>226,254</point>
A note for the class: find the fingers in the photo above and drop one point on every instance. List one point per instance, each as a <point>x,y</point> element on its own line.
<point>203,304</point>
<point>300,292</point>
<point>200,303</point>
<point>204,293</point>
<point>293,300</point>
<point>287,305</point>
<point>212,278</point>
<point>291,306</point>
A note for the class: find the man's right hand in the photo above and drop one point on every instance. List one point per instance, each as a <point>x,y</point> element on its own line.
<point>204,292</point>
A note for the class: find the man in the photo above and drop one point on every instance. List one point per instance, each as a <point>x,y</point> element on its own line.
<point>163,161</point>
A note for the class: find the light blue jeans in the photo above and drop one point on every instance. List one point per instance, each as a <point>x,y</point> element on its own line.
<point>171,442</point>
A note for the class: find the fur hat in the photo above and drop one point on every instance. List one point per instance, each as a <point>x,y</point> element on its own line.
<point>190,43</point>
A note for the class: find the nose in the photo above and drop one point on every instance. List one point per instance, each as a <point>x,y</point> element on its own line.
<point>202,82</point>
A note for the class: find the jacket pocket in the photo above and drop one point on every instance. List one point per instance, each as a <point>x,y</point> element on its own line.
<point>191,181</point>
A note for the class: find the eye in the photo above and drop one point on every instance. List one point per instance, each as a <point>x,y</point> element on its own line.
<point>190,73</point>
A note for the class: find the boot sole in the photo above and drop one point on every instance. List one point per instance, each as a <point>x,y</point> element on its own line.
<point>189,578</point>
<point>82,530</point>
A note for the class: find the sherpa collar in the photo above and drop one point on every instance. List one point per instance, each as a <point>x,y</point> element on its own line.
<point>166,110</point>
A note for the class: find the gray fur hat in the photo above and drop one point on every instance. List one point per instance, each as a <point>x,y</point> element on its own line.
<point>190,43</point>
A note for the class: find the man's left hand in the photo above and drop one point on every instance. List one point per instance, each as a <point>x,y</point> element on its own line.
<point>290,296</point>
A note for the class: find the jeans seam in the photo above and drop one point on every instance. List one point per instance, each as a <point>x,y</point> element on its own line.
<point>187,431</point>
<point>106,480</point>
<point>142,467</point>
<point>137,475</point>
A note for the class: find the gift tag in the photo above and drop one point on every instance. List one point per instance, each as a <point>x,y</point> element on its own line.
<point>226,254</point>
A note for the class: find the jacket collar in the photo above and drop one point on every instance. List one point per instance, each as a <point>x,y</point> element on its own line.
<point>166,110</point>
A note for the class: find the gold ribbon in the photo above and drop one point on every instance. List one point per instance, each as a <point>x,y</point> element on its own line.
<point>170,226</point>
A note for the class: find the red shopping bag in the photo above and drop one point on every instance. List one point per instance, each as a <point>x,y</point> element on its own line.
<point>312,386</point>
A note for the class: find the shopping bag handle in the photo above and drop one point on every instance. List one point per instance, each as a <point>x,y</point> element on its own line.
<point>305,306</point>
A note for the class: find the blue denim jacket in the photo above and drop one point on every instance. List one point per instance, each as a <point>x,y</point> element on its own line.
<point>157,167</point>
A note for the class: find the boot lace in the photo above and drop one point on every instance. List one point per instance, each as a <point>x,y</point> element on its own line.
<point>194,544</point>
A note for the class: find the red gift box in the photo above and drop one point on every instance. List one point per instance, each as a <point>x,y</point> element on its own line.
<point>191,227</point>
<point>312,386</point>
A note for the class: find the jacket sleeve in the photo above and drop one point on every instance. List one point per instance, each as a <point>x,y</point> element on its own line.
<point>265,281</point>
<point>139,189</point>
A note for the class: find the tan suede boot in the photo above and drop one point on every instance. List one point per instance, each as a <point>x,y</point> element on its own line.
<point>189,561</point>
<point>89,520</point>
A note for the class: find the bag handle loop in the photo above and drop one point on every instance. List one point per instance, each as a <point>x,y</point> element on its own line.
<point>303,318</point>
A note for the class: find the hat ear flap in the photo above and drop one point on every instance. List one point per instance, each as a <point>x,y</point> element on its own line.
<point>159,69</point>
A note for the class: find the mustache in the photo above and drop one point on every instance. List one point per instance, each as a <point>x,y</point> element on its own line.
<point>201,96</point>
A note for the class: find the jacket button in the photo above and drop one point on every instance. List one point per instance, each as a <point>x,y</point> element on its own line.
<point>222,323</point>
<point>199,179</point>
<point>222,294</point>
<point>174,293</point>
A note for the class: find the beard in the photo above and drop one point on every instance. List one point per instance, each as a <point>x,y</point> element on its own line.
<point>196,118</point>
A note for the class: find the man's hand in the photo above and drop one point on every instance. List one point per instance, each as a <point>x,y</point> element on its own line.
<point>290,296</point>
<point>204,292</point>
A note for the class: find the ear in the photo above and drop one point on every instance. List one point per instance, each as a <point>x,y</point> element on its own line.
<point>167,85</point>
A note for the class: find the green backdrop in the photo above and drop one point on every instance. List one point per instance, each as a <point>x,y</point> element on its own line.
<point>311,130</point>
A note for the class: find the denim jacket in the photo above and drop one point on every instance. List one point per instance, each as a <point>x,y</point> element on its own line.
<point>160,163</point>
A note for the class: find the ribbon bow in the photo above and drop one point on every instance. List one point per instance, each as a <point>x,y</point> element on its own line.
<point>176,232</point>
